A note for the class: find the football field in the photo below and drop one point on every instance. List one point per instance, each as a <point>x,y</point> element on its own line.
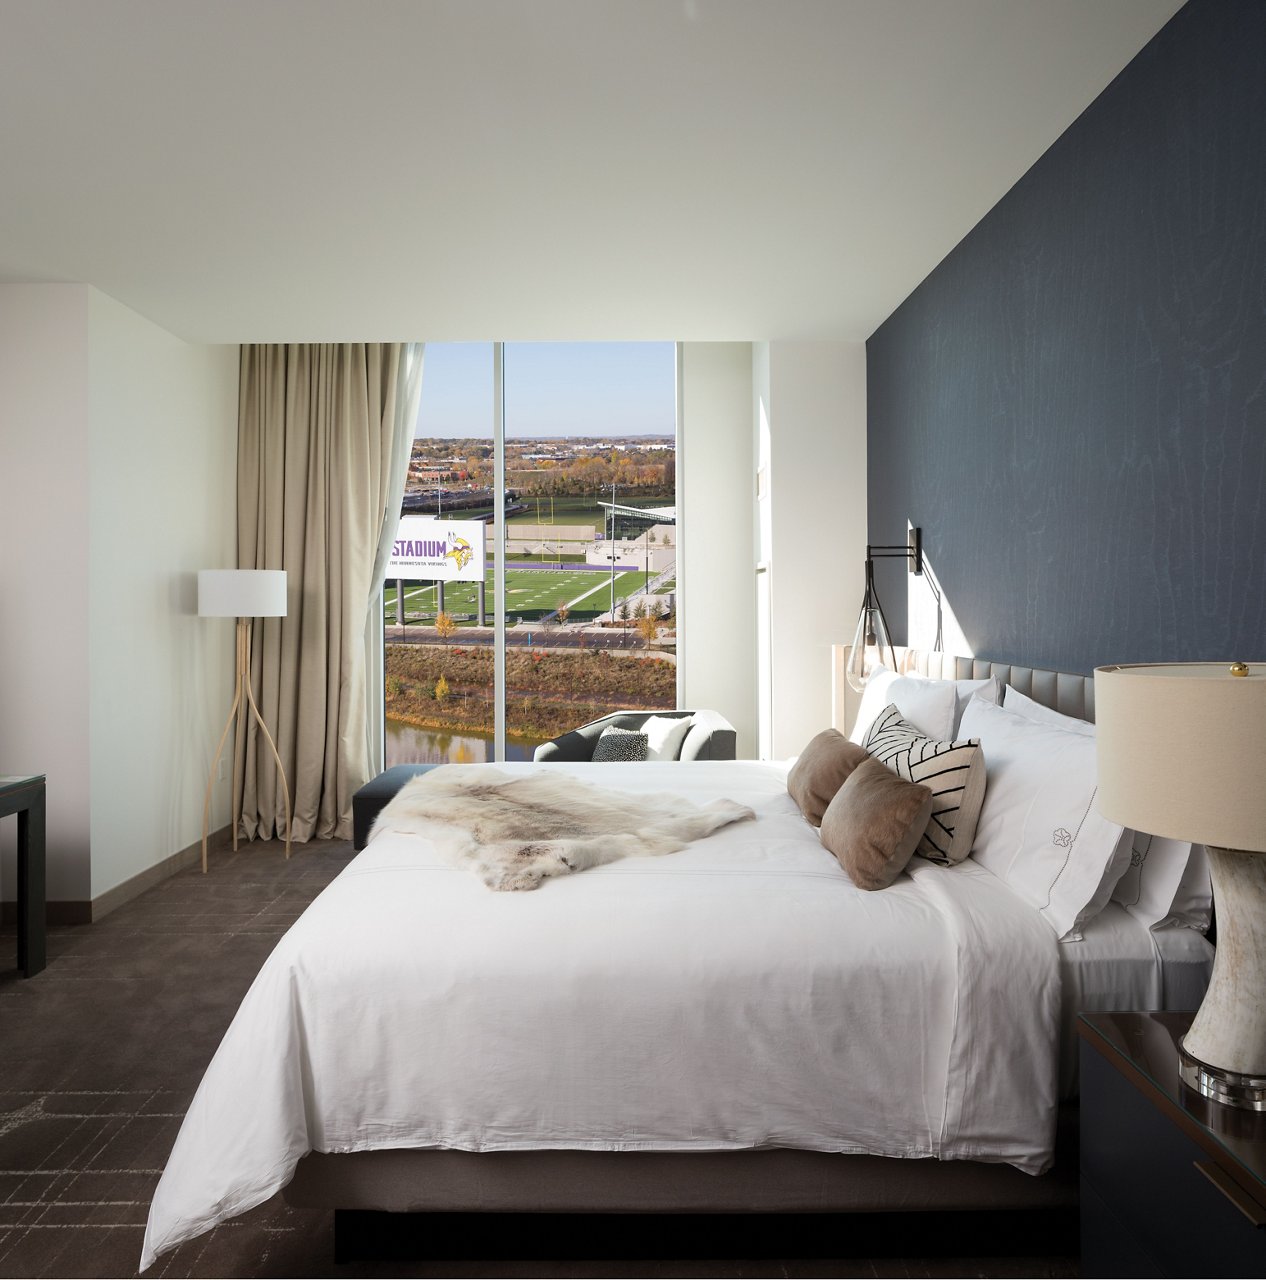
<point>530,594</point>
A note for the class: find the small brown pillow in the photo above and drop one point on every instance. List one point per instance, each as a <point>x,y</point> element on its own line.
<point>821,771</point>
<point>874,824</point>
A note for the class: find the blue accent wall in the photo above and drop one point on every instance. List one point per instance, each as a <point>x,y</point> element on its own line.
<point>1073,404</point>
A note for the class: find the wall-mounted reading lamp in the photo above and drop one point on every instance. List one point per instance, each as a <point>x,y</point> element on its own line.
<point>872,636</point>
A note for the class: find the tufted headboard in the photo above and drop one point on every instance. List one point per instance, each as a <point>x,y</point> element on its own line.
<point>1073,695</point>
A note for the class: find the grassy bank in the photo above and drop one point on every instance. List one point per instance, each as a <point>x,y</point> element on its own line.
<point>450,687</point>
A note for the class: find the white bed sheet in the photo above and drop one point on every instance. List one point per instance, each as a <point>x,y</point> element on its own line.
<point>1122,964</point>
<point>739,994</point>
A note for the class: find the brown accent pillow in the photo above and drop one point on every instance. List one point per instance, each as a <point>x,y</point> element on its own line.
<point>875,823</point>
<point>821,771</point>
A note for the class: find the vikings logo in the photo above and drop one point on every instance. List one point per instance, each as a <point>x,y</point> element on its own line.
<point>460,551</point>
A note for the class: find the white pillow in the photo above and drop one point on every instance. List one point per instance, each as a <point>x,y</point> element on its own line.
<point>1192,906</point>
<point>926,704</point>
<point>1014,700</point>
<point>664,735</point>
<point>1165,881</point>
<point>1039,828</point>
<point>989,690</point>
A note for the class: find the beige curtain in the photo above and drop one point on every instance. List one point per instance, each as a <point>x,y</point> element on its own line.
<point>324,433</point>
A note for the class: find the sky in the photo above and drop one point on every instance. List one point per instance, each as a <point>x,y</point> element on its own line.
<point>551,389</point>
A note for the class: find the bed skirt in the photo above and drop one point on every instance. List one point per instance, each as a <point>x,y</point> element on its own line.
<point>767,1181</point>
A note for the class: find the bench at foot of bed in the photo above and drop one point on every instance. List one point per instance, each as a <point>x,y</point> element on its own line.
<point>368,802</point>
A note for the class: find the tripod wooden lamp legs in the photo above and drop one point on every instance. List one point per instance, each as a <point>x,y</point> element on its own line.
<point>244,594</point>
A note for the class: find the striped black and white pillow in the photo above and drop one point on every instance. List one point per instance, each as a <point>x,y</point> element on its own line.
<point>616,745</point>
<point>954,771</point>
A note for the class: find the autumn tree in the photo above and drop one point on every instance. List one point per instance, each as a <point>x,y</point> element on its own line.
<point>648,628</point>
<point>563,614</point>
<point>441,689</point>
<point>445,626</point>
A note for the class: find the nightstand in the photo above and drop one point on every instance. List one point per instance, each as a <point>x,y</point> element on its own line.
<point>1172,1184</point>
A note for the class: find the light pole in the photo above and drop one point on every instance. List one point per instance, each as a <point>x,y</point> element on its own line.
<point>611,552</point>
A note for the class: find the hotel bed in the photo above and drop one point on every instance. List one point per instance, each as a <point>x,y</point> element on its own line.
<point>732,1027</point>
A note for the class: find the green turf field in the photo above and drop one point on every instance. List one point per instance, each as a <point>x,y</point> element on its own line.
<point>530,594</point>
<point>564,511</point>
<point>573,510</point>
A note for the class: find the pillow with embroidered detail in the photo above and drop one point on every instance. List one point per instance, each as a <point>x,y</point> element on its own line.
<point>1040,829</point>
<point>1164,882</point>
<point>616,745</point>
<point>953,771</point>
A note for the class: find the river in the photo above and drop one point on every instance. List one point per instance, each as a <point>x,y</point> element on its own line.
<point>407,744</point>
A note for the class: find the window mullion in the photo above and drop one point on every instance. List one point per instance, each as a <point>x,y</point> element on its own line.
<point>499,551</point>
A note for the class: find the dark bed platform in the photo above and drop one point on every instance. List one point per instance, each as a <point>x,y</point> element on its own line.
<point>418,1203</point>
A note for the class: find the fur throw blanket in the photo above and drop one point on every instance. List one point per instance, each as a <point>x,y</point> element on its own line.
<point>512,831</point>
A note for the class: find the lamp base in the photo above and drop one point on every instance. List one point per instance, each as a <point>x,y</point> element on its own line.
<point>1223,1055</point>
<point>243,697</point>
<point>1231,1088</point>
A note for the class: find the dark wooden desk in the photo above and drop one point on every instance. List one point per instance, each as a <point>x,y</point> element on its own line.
<point>24,795</point>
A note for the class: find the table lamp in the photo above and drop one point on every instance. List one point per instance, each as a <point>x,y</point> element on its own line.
<point>1182,753</point>
<point>244,594</point>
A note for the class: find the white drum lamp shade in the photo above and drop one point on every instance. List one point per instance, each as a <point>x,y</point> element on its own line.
<point>1182,753</point>
<point>242,593</point>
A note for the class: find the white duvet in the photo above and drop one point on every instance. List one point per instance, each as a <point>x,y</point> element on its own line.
<point>740,993</point>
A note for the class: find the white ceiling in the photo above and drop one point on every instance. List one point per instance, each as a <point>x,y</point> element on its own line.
<point>250,170</point>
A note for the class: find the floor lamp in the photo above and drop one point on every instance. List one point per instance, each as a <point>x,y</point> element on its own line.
<point>244,594</point>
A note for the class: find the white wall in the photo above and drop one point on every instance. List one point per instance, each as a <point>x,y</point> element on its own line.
<point>117,467</point>
<point>162,506</point>
<point>44,540</point>
<point>716,638</point>
<point>763,554</point>
<point>812,537</point>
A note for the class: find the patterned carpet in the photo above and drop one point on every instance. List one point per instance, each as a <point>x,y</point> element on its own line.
<point>100,1056</point>
<point>101,1053</point>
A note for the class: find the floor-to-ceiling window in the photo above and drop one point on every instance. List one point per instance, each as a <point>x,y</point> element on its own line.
<point>590,583</point>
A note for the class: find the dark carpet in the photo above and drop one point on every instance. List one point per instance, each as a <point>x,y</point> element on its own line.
<point>100,1056</point>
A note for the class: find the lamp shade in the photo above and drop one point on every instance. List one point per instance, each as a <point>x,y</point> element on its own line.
<point>1182,751</point>
<point>242,593</point>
